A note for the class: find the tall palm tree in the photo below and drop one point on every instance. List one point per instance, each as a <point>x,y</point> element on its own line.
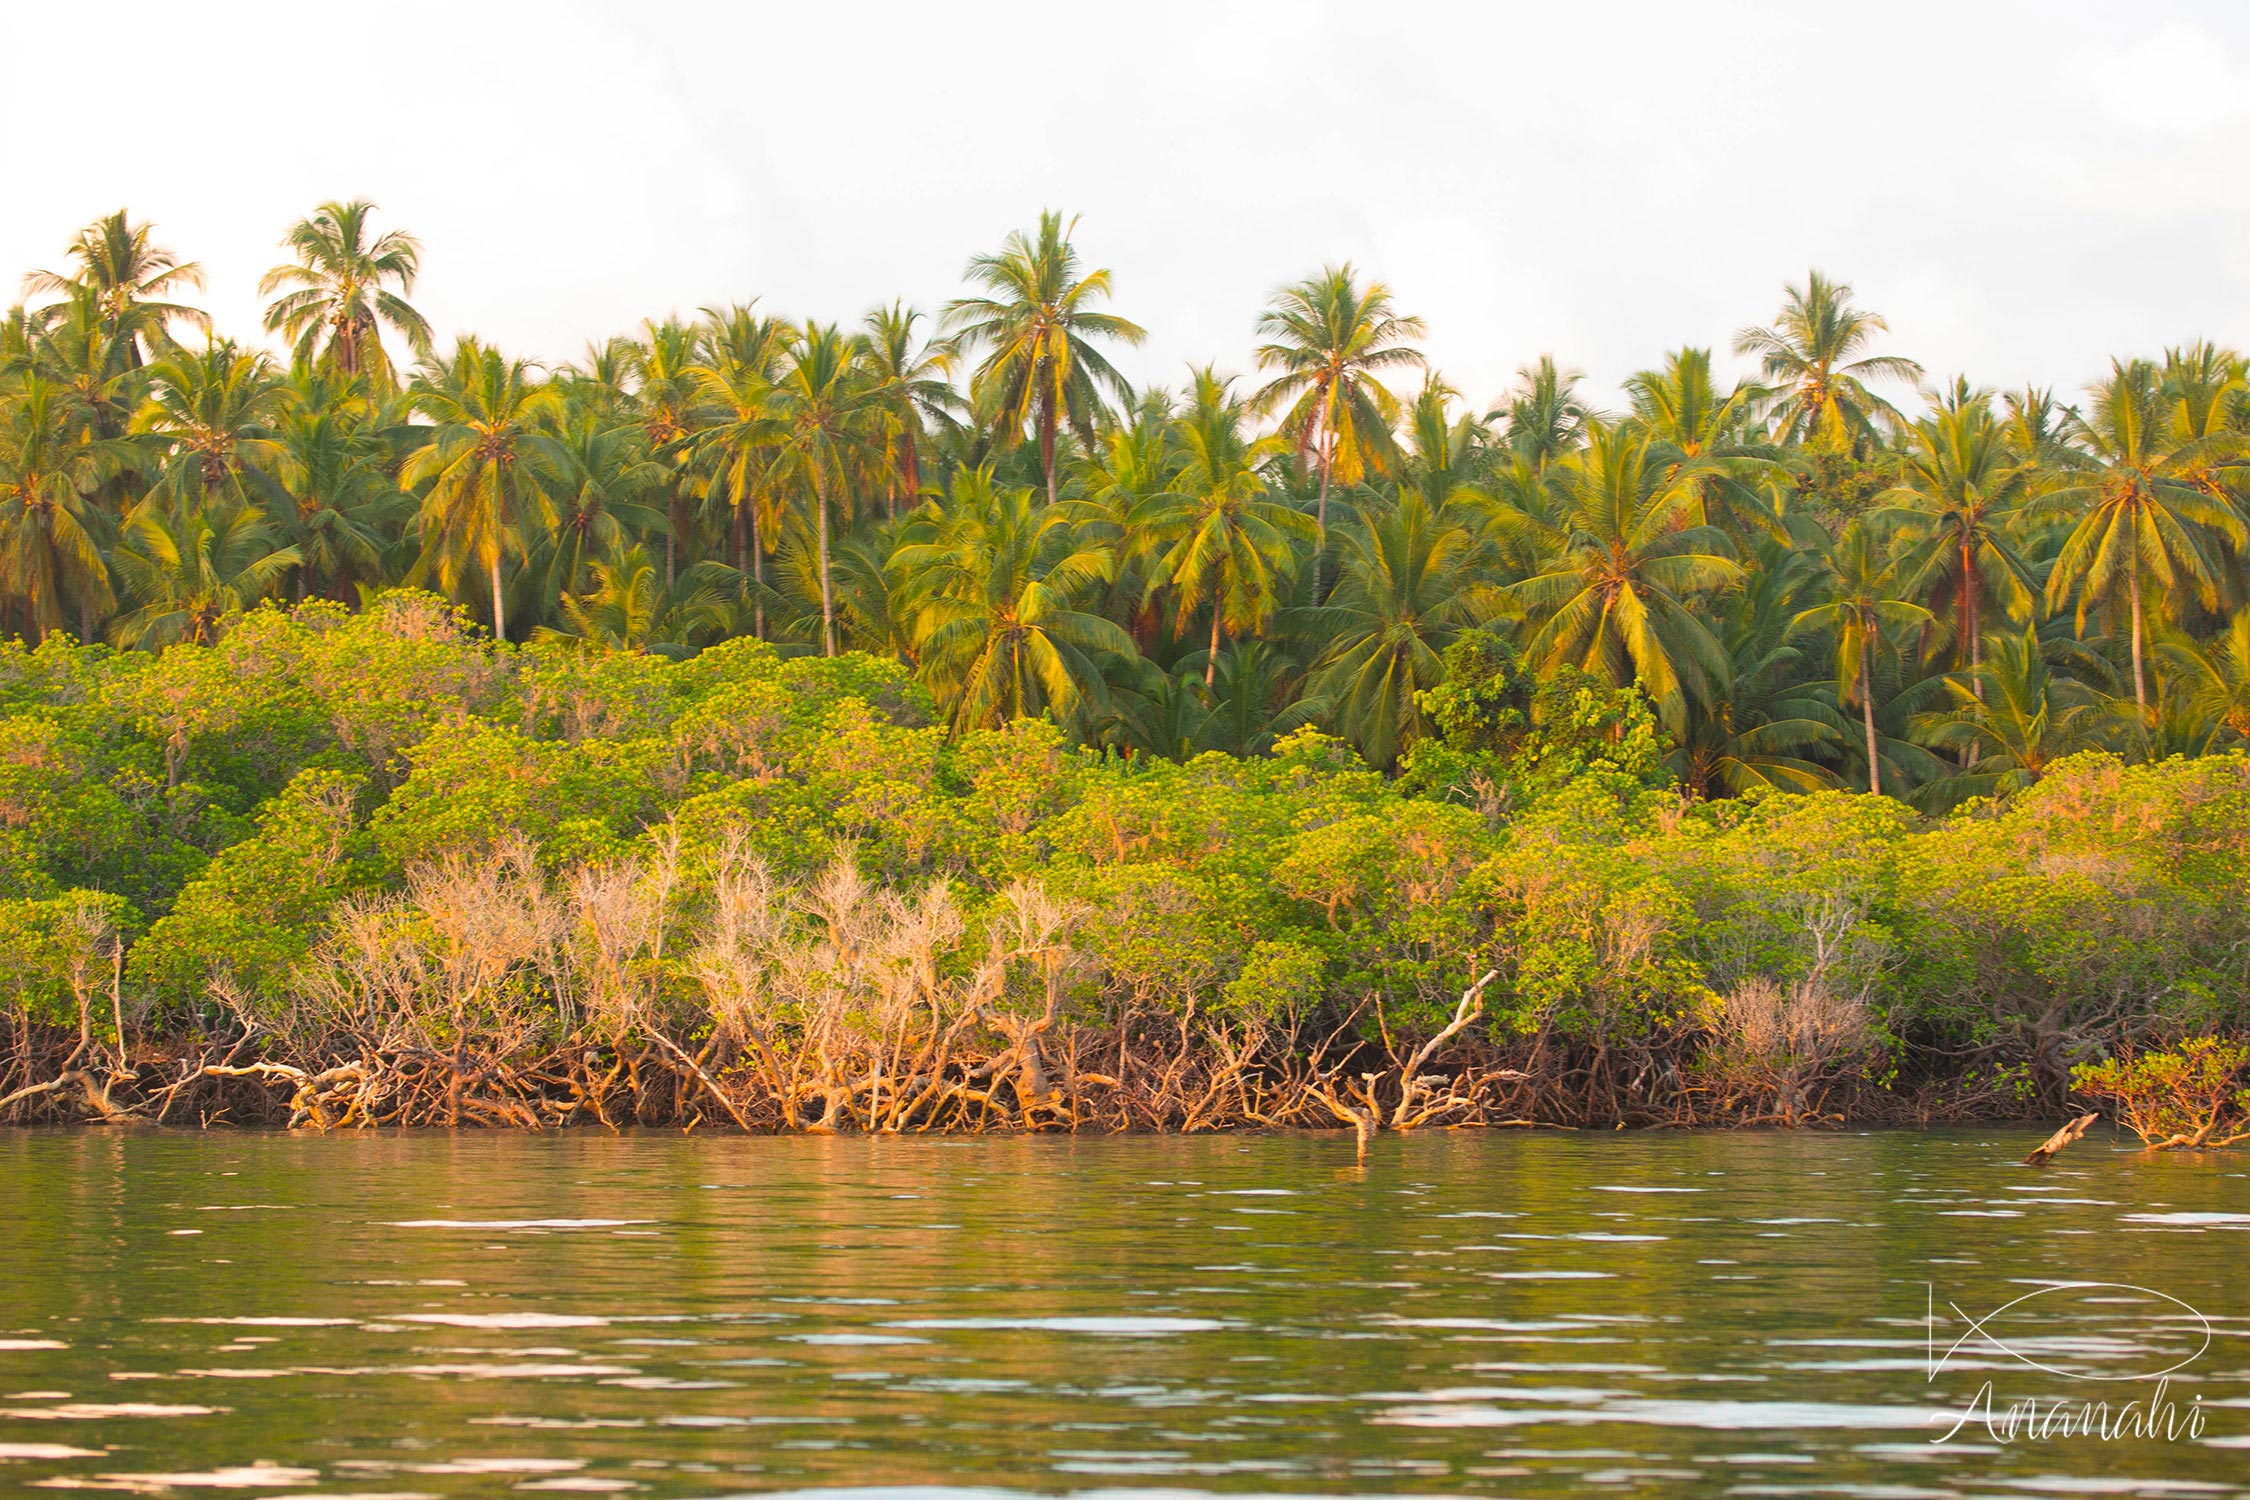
<point>131,277</point>
<point>993,581</point>
<point>1036,325</point>
<point>2144,504</point>
<point>1226,544</point>
<point>668,402</point>
<point>336,296</point>
<point>1406,581</point>
<point>1450,453</point>
<point>1125,496</point>
<point>1863,604</point>
<point>1626,561</point>
<point>731,452</point>
<point>828,416</point>
<point>915,384</point>
<point>1960,486</point>
<point>601,489</point>
<point>50,555</point>
<point>480,464</point>
<point>1329,339</point>
<point>1815,356</point>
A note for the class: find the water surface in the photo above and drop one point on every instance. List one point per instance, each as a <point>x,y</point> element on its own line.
<point>1509,1313</point>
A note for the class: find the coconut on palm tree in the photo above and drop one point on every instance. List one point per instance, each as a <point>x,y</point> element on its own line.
<point>337,296</point>
<point>1036,324</point>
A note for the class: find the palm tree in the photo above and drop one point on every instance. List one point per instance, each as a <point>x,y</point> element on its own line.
<point>668,401</point>
<point>2027,718</point>
<point>1405,583</point>
<point>631,609</point>
<point>1253,702</point>
<point>1450,453</point>
<point>914,381</point>
<point>993,581</point>
<point>337,294</point>
<point>1544,416</point>
<point>733,449</point>
<point>1329,338</point>
<point>337,499</point>
<point>213,416</point>
<point>1760,729</point>
<point>602,483</point>
<point>50,558</point>
<point>187,570</point>
<point>483,460</point>
<point>1125,495</point>
<point>1814,355</point>
<point>1625,563</point>
<point>1226,545</point>
<point>130,275</point>
<point>1036,325</point>
<point>2145,507</point>
<point>1679,403</point>
<point>2213,677</point>
<point>827,414</point>
<point>1960,487</point>
<point>1863,581</point>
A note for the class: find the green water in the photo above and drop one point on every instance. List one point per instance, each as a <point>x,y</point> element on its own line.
<point>1506,1313</point>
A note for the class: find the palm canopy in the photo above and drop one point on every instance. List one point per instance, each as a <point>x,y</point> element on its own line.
<point>211,417</point>
<point>336,297</point>
<point>914,383</point>
<point>1036,324</point>
<point>1227,544</point>
<point>2016,720</point>
<point>1680,403</point>
<point>132,277</point>
<point>993,584</point>
<point>1768,721</point>
<point>828,418</point>
<point>1406,581</point>
<point>186,571</point>
<point>631,609</point>
<point>1863,606</point>
<point>1544,415</point>
<point>1815,355</point>
<point>2145,505</point>
<point>1625,561</point>
<point>1960,487</point>
<point>50,556</point>
<point>1329,339</point>
<point>481,464</point>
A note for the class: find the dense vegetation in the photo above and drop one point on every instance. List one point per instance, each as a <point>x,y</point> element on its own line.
<point>823,728</point>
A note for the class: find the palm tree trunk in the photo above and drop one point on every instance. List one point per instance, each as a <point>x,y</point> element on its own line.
<point>1047,443</point>
<point>1320,512</point>
<point>757,575</point>
<point>2140,694</point>
<point>913,474</point>
<point>1970,625</point>
<point>827,598</point>
<point>1211,664</point>
<point>1867,712</point>
<point>499,614</point>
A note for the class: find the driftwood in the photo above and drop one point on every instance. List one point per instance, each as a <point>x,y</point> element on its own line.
<point>2061,1138</point>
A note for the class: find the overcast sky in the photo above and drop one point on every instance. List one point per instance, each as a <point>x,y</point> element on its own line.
<point>2023,190</point>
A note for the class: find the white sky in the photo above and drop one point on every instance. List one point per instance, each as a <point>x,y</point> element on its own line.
<point>2024,189</point>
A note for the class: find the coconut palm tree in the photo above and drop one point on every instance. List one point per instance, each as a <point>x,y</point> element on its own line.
<point>1545,417</point>
<point>1037,325</point>
<point>1863,604</point>
<point>732,450</point>
<point>601,489</point>
<point>1762,728</point>
<point>914,381</point>
<point>1450,454</point>
<point>2143,506</point>
<point>1679,403</point>
<point>1960,487</point>
<point>1330,339</point>
<point>1226,544</point>
<point>993,582</point>
<point>630,608</point>
<point>1626,560</point>
<point>336,296</point>
<point>50,553</point>
<point>1814,355</point>
<point>212,418</point>
<point>2212,678</point>
<point>337,504</point>
<point>1405,582</point>
<point>2028,717</point>
<point>482,464</point>
<point>131,276</point>
<point>828,417</point>
<point>184,571</point>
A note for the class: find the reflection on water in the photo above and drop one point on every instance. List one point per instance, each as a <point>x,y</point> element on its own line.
<point>1738,1315</point>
